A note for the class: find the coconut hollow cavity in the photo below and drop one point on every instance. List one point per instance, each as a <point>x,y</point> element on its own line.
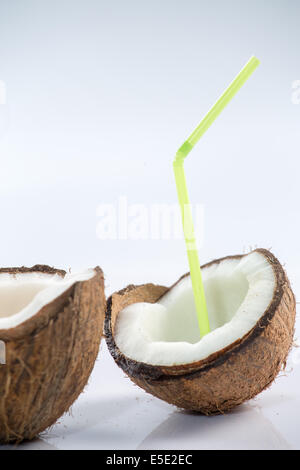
<point>153,335</point>
<point>51,324</point>
<point>24,293</point>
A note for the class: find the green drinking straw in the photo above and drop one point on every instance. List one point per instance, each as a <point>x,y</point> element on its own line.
<point>186,212</point>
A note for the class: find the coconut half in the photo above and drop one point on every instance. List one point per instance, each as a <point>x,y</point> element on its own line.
<point>51,324</point>
<point>153,335</point>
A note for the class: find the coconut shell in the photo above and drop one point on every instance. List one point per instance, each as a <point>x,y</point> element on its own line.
<point>226,378</point>
<point>49,357</point>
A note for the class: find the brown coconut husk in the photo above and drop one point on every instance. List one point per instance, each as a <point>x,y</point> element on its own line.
<point>226,378</point>
<point>49,357</point>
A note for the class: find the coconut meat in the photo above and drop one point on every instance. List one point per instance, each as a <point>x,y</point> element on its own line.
<point>238,292</point>
<point>22,295</point>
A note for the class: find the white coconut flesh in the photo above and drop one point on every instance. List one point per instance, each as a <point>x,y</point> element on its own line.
<point>22,295</point>
<point>238,292</point>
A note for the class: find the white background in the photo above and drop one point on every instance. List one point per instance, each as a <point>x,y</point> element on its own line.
<point>100,94</point>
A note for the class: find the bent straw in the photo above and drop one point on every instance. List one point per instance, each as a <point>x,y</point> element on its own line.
<point>186,212</point>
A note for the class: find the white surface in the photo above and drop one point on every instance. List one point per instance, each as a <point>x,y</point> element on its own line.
<point>100,94</point>
<point>237,292</point>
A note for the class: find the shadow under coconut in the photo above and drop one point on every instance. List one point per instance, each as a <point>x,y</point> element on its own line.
<point>81,419</point>
<point>35,444</point>
<point>243,428</point>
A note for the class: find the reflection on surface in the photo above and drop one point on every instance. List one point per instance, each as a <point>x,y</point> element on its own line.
<point>137,421</point>
<point>243,428</point>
